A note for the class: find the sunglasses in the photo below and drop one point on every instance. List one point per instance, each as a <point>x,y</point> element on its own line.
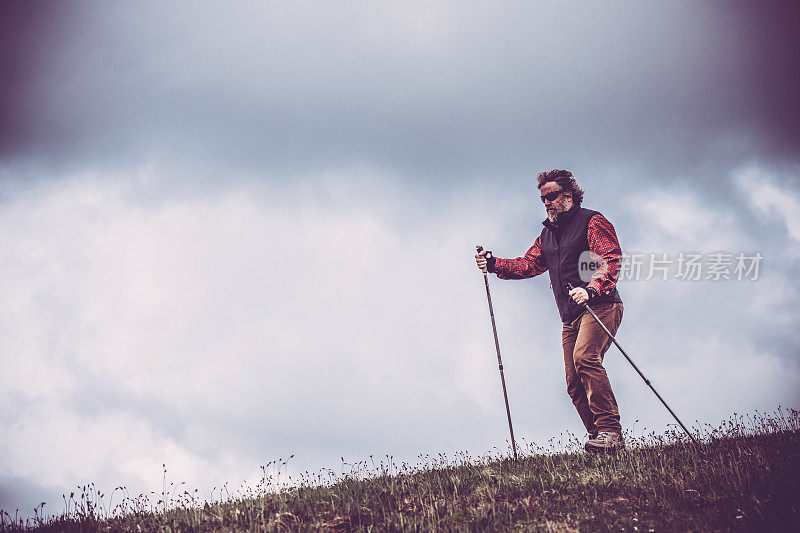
<point>552,195</point>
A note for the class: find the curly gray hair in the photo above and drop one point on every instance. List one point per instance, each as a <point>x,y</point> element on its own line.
<point>564,180</point>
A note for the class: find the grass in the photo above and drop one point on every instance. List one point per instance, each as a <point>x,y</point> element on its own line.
<point>743,476</point>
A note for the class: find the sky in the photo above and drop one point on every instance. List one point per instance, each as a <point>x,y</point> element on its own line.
<point>231,233</point>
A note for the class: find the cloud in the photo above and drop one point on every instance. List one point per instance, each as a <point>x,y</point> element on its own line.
<point>723,375</point>
<point>768,199</point>
<point>217,332</point>
<point>456,91</point>
<point>770,31</point>
<point>679,220</point>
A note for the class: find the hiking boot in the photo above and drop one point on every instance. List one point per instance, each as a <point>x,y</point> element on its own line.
<point>606,441</point>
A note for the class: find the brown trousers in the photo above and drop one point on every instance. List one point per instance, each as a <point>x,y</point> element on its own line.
<point>585,343</point>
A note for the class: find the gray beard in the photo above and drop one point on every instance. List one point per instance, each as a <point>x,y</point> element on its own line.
<point>554,217</point>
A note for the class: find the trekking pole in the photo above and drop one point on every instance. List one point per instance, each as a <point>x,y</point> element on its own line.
<point>499,360</point>
<point>570,287</point>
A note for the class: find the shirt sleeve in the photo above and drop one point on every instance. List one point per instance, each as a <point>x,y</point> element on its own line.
<point>531,264</point>
<point>603,241</point>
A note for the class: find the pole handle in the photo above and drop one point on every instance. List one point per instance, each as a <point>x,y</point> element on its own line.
<point>479,248</point>
<point>569,289</point>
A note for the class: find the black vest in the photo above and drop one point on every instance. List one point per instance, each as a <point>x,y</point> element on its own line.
<point>562,246</point>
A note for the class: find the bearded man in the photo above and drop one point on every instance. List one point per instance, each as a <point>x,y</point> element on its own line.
<point>573,235</point>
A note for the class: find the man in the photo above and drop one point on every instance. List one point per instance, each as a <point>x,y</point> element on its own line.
<point>568,243</point>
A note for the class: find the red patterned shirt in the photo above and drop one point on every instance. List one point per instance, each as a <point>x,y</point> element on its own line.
<point>602,241</point>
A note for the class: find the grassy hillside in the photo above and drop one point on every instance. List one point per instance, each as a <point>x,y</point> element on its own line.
<point>745,475</point>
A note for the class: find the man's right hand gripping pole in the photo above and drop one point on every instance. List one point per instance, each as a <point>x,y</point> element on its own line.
<point>482,258</point>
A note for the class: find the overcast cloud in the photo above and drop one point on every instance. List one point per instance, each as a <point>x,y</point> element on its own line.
<point>229,235</point>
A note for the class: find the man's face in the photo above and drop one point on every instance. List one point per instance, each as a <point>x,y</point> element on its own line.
<point>560,203</point>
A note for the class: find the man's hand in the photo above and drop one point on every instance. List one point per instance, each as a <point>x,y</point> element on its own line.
<point>580,295</point>
<point>480,259</point>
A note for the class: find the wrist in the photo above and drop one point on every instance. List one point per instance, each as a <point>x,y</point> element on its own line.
<point>592,292</point>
